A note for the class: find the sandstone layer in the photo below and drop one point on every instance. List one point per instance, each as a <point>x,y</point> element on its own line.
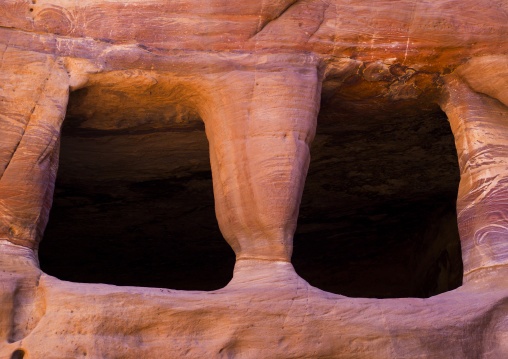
<point>255,74</point>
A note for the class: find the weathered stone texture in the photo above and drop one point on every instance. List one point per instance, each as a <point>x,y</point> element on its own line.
<point>255,73</point>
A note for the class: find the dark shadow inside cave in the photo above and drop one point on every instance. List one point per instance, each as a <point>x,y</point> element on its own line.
<point>378,214</point>
<point>134,204</point>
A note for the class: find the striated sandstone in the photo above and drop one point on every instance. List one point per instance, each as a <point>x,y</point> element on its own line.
<point>255,74</point>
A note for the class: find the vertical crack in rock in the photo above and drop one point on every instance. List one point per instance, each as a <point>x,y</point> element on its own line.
<point>40,93</point>
<point>21,293</point>
<point>29,307</point>
<point>30,174</point>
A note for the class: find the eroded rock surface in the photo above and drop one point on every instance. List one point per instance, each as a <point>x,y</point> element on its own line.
<point>255,75</point>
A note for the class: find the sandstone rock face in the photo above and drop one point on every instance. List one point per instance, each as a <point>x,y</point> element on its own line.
<point>255,74</point>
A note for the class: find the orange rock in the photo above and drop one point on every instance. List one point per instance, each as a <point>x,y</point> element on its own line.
<point>254,73</point>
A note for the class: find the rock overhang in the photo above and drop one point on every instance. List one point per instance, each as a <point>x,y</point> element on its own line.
<point>302,43</point>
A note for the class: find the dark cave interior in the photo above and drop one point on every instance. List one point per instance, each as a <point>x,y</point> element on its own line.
<point>134,206</point>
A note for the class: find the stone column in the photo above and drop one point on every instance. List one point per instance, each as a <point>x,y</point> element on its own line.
<point>33,101</point>
<point>480,126</point>
<point>260,123</point>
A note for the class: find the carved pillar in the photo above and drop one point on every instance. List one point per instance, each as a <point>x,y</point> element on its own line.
<point>32,107</point>
<point>480,127</point>
<point>33,100</point>
<point>259,125</point>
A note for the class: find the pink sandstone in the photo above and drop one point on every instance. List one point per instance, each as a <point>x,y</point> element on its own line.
<point>253,72</point>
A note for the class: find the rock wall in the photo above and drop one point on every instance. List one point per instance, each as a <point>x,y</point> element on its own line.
<point>255,74</point>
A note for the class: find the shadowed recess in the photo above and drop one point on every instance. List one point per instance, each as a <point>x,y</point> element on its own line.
<point>134,204</point>
<point>378,214</point>
<point>18,354</point>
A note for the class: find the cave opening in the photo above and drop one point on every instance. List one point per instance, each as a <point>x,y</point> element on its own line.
<point>133,201</point>
<point>378,217</point>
